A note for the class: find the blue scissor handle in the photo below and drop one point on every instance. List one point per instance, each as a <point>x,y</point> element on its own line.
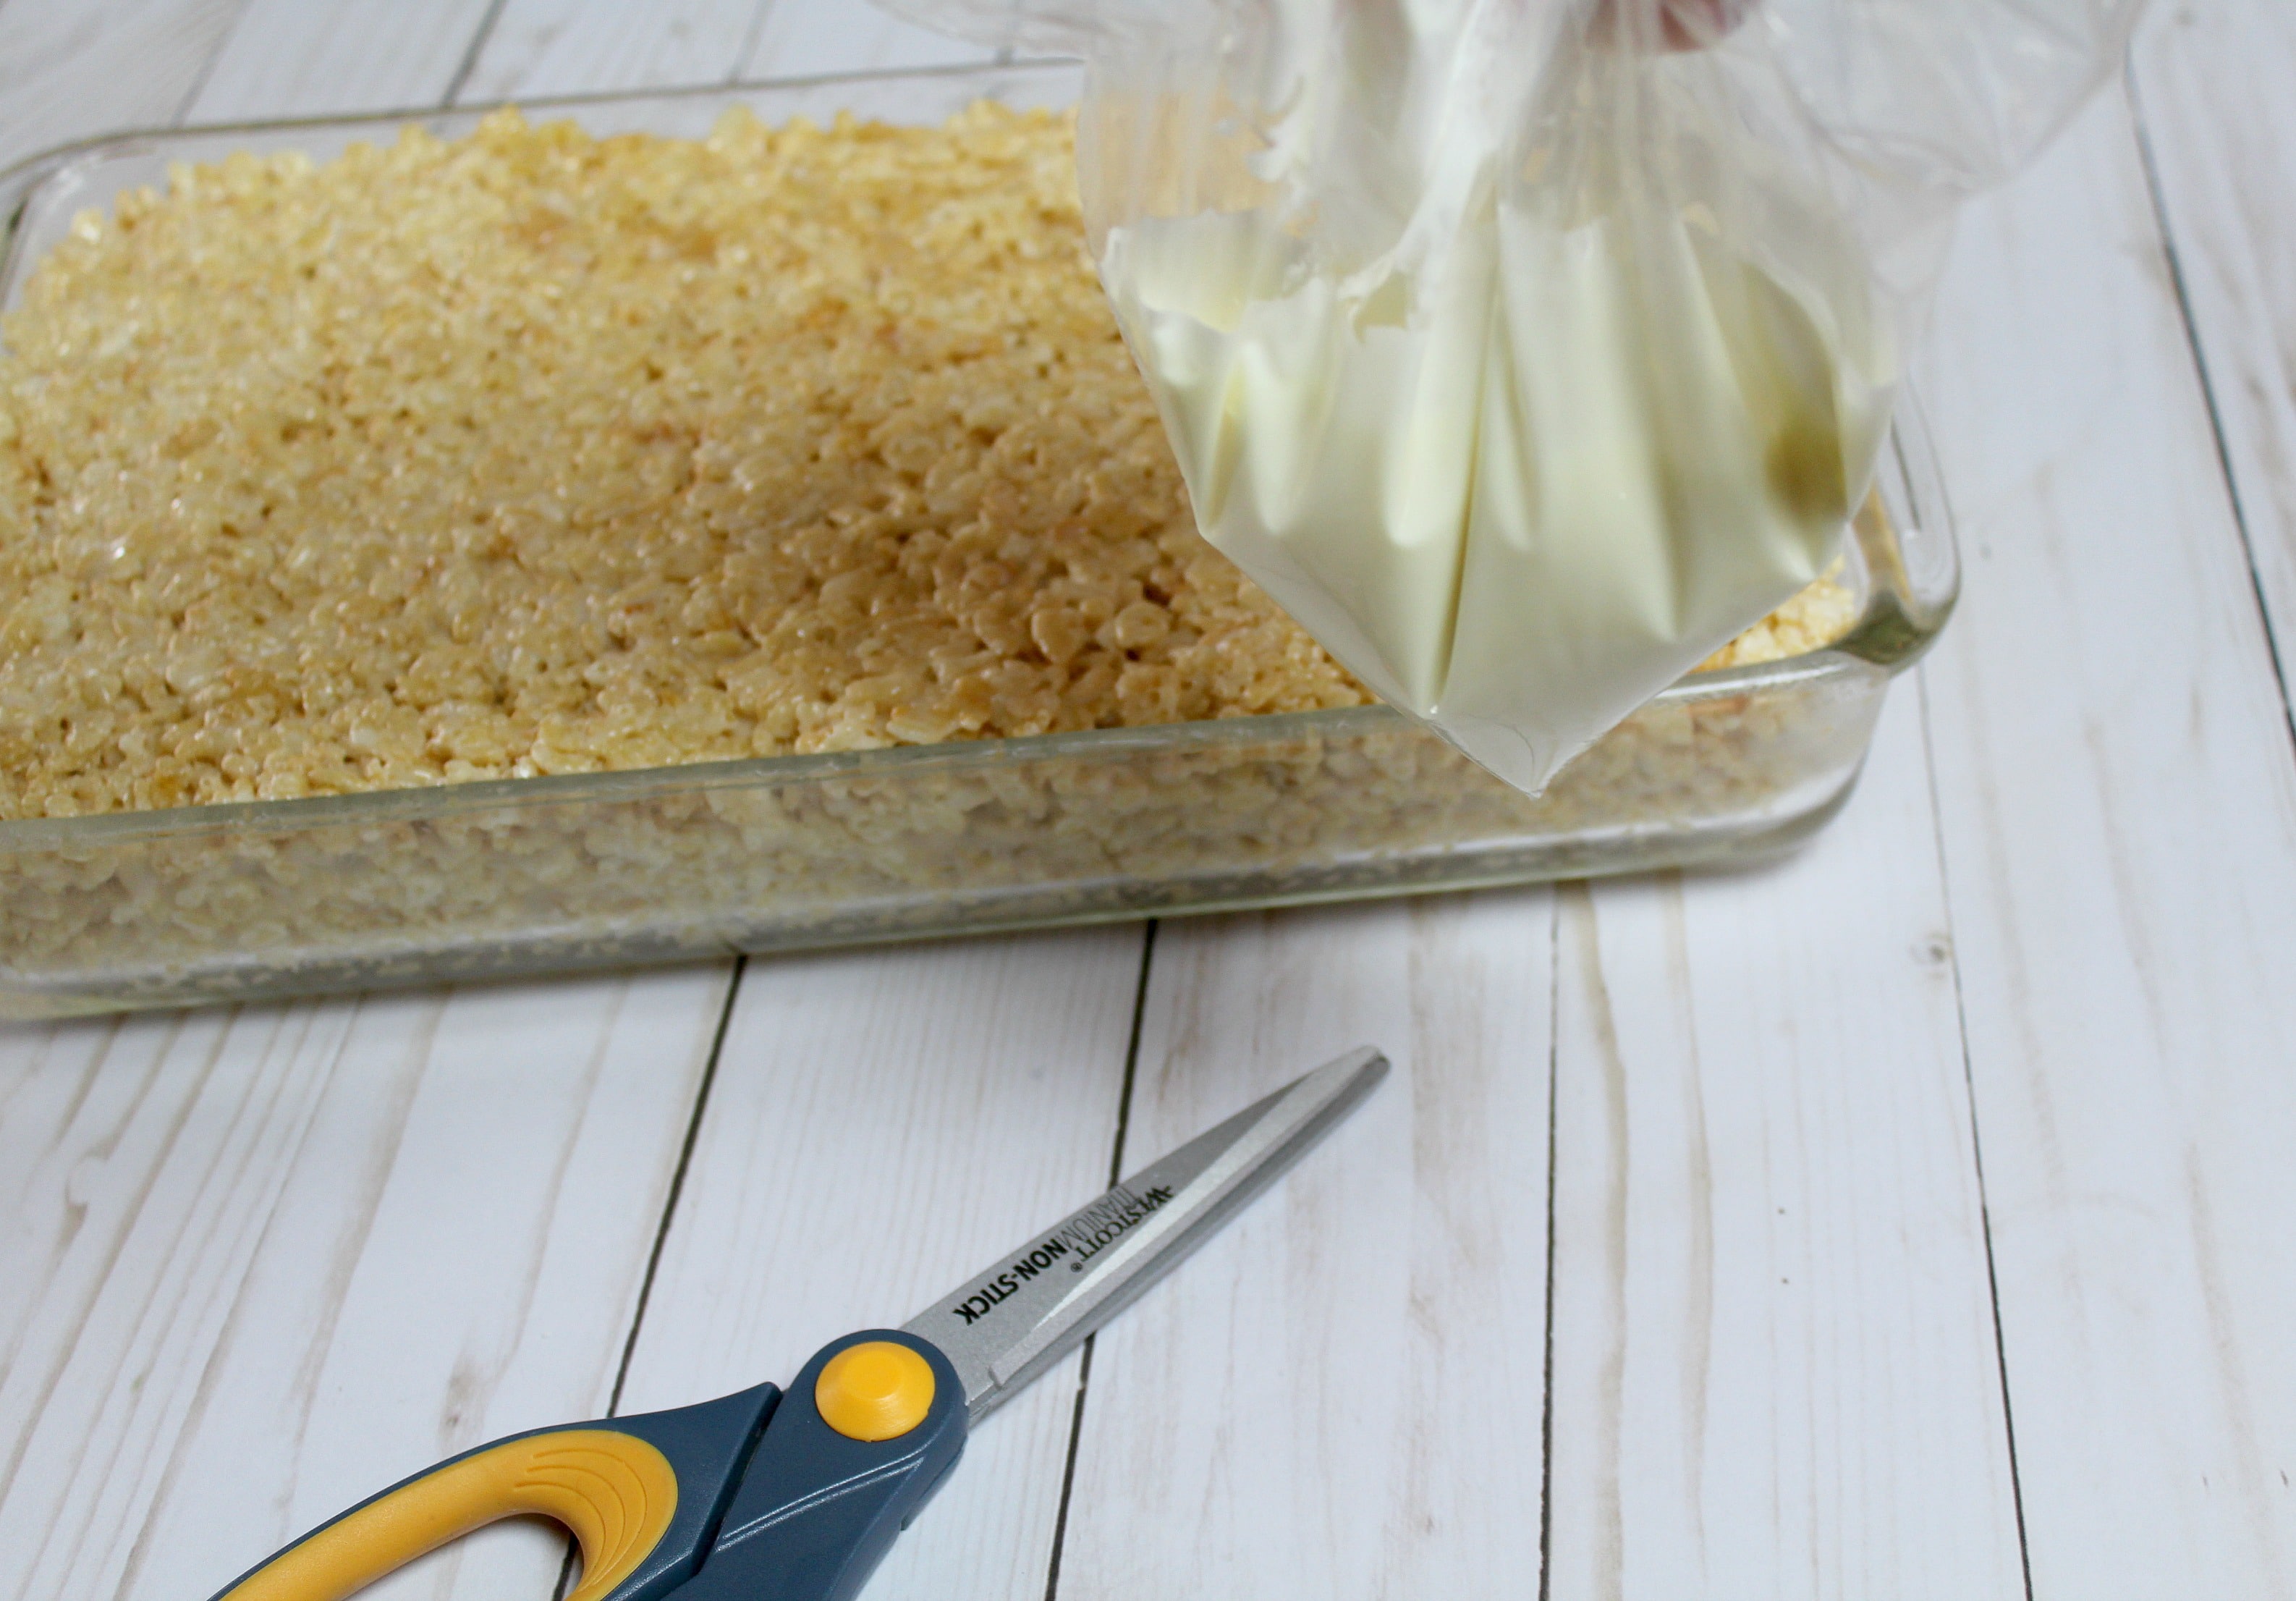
<point>816,1511</point>
<point>753,1497</point>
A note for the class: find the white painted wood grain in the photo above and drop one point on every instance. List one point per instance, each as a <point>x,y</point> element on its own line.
<point>308,58</point>
<point>265,1263</point>
<point>1339,1394</point>
<point>272,1257</point>
<point>2214,79</point>
<point>881,1125</point>
<point>2119,815</point>
<point>69,70</point>
<point>336,1242</point>
<point>576,46</point>
<point>804,36</point>
<point>1774,1363</point>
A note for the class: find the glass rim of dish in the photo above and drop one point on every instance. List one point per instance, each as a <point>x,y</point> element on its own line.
<point>19,179</point>
<point>1895,625</point>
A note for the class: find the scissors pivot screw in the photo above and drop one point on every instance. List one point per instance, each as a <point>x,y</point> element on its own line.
<point>874,1390</point>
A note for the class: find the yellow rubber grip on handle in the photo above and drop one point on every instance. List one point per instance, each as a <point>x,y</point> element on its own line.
<point>615,1491</point>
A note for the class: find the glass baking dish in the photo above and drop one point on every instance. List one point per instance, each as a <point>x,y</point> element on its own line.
<point>261,898</point>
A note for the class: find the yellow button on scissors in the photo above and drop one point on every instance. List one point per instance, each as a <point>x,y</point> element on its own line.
<point>767,1496</point>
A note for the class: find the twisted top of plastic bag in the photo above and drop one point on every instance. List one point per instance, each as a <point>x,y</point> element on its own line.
<point>1945,95</point>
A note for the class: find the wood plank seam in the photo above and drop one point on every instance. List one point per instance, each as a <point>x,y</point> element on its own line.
<point>1546,1383</point>
<point>1115,1175</point>
<point>752,37</point>
<point>676,1187</point>
<point>569,1567</point>
<point>463,71</point>
<point>1342,1397</point>
<point>2119,835</point>
<point>206,69</point>
<point>1608,1494</point>
<point>2173,259</point>
<point>1976,1138</point>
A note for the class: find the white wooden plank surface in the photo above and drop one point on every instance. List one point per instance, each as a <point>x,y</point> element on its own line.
<point>265,1263</point>
<point>294,58</point>
<point>801,36</point>
<point>1341,1394</point>
<point>225,1224</point>
<point>2215,81</point>
<point>69,70</point>
<point>1773,1366</point>
<point>881,1125</point>
<point>287,1284</point>
<point>2119,815</point>
<point>539,47</point>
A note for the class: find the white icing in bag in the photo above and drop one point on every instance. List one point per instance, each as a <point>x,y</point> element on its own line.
<point>1510,515</point>
<point>1518,476</point>
<point>1521,353</point>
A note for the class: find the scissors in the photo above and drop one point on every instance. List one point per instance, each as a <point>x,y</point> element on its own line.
<point>796,1495</point>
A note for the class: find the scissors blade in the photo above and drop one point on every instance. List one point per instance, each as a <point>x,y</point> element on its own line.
<point>1003,1328</point>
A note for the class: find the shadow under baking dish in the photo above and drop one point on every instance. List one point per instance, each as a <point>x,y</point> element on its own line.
<point>529,875</point>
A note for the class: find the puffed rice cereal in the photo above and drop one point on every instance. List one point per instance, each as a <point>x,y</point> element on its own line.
<point>534,452</point>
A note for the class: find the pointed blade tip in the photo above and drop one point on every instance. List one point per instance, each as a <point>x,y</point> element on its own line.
<point>1366,1066</point>
<point>1335,1090</point>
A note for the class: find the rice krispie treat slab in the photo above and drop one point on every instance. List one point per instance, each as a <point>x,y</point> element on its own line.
<point>617,807</point>
<point>532,453</point>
